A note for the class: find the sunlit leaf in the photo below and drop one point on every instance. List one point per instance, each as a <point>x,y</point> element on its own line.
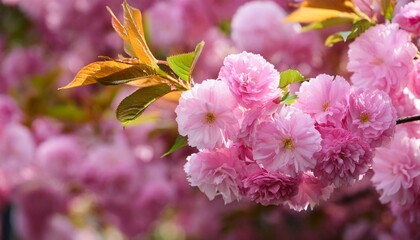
<point>135,35</point>
<point>340,5</point>
<point>387,8</point>
<point>183,64</point>
<point>180,142</point>
<point>94,71</point>
<point>288,99</point>
<point>288,77</point>
<point>358,28</point>
<point>310,15</point>
<point>129,74</point>
<point>336,38</point>
<point>173,96</point>
<point>134,105</point>
<point>326,23</point>
<point>116,24</point>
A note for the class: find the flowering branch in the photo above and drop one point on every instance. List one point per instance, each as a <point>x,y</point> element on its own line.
<point>408,119</point>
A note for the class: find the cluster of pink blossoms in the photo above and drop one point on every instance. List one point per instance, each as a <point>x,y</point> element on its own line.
<point>251,146</point>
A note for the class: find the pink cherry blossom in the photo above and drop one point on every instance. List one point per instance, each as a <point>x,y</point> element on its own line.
<point>324,98</point>
<point>397,169</point>
<point>311,192</point>
<point>407,219</point>
<point>257,27</point>
<point>215,173</point>
<point>344,157</point>
<point>414,81</point>
<point>209,115</point>
<point>9,111</point>
<point>110,168</point>
<point>253,117</point>
<point>270,188</point>
<point>17,148</point>
<point>61,157</point>
<point>250,78</point>
<point>287,142</point>
<point>405,105</point>
<point>382,58</point>
<point>408,17</point>
<point>371,116</point>
<point>166,29</point>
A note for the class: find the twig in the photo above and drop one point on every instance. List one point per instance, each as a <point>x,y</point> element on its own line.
<point>408,119</point>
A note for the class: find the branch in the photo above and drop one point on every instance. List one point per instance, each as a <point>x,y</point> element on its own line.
<point>408,119</point>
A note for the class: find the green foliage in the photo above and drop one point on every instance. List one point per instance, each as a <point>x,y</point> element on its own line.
<point>183,64</point>
<point>135,104</point>
<point>288,98</point>
<point>387,8</point>
<point>15,26</point>
<point>358,28</point>
<point>327,23</point>
<point>288,77</point>
<point>180,142</point>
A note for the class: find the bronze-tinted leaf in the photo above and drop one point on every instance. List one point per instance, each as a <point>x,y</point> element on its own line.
<point>339,5</point>
<point>135,35</point>
<point>310,15</point>
<point>94,71</point>
<point>132,73</point>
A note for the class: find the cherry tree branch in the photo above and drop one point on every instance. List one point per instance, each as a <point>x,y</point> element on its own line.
<point>408,119</point>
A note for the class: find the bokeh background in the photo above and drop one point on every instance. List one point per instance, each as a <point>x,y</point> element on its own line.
<point>69,170</point>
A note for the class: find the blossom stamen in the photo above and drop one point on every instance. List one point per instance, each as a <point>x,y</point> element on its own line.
<point>288,143</point>
<point>364,117</point>
<point>325,106</point>
<point>210,118</point>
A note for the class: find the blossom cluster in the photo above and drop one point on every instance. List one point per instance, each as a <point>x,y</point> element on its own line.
<point>255,147</point>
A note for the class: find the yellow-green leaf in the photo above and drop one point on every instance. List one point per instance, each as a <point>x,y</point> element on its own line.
<point>387,8</point>
<point>288,77</point>
<point>180,142</point>
<point>183,64</point>
<point>135,104</point>
<point>288,99</point>
<point>357,29</point>
<point>94,71</point>
<point>310,15</point>
<point>326,23</point>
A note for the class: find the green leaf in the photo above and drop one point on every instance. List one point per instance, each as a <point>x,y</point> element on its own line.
<point>132,73</point>
<point>358,28</point>
<point>288,77</point>
<point>335,38</point>
<point>288,99</point>
<point>387,8</point>
<point>326,23</point>
<point>183,64</point>
<point>180,142</point>
<point>135,104</point>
